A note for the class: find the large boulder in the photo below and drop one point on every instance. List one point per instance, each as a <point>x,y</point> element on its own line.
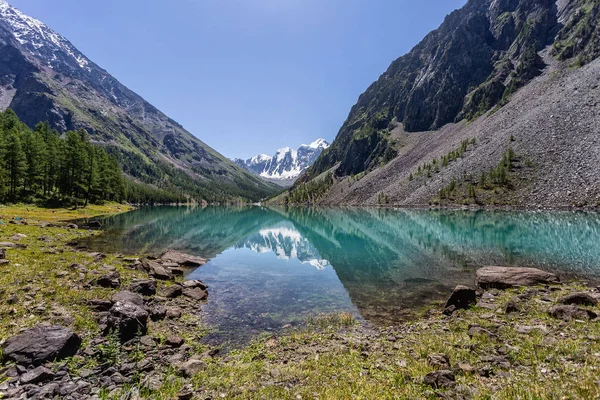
<point>183,259</point>
<point>128,319</point>
<point>462,297</point>
<point>506,277</point>
<point>40,344</point>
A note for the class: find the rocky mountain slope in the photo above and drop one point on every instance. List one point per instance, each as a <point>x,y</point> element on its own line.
<point>43,77</point>
<point>497,75</point>
<point>287,164</point>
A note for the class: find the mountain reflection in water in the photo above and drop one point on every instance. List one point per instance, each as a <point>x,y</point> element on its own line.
<point>270,267</point>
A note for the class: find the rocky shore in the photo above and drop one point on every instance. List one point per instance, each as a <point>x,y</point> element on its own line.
<point>75,324</point>
<point>79,324</point>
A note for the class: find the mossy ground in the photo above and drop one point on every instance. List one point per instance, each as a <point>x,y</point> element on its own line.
<point>333,357</point>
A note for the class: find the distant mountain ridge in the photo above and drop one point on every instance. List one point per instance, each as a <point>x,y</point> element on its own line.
<point>43,77</point>
<point>286,165</point>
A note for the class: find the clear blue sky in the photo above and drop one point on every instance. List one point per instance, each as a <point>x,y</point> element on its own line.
<point>246,76</point>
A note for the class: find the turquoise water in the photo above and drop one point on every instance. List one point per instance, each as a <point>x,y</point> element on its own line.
<point>272,267</point>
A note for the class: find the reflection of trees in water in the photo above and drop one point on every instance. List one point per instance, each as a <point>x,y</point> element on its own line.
<point>386,259</point>
<point>201,231</point>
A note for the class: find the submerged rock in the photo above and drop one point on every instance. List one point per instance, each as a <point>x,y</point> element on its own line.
<point>40,344</point>
<point>505,277</point>
<point>183,259</point>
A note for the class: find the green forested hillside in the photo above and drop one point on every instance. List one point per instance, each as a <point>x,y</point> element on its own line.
<point>41,165</point>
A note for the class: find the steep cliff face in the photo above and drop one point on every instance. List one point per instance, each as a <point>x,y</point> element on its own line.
<point>43,77</point>
<point>479,56</point>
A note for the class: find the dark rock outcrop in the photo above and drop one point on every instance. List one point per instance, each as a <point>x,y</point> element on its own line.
<point>40,344</point>
<point>462,297</point>
<point>579,298</point>
<point>144,287</point>
<point>505,277</point>
<point>111,280</point>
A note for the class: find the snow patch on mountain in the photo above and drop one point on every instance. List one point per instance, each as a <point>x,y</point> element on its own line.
<point>39,39</point>
<point>287,243</point>
<point>287,164</point>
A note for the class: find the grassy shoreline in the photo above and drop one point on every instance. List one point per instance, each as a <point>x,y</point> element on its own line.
<point>525,354</point>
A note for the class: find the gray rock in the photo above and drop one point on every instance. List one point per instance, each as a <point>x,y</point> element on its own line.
<point>144,287</point>
<point>571,312</point>
<point>505,277</point>
<point>128,297</point>
<point>71,226</point>
<point>157,271</point>
<point>158,313</point>
<point>183,259</point>
<point>579,298</point>
<point>40,344</point>
<point>111,280</point>
<point>476,330</point>
<point>174,341</point>
<point>196,293</point>
<point>7,245</point>
<point>128,319</point>
<point>438,361</point>
<point>100,305</point>
<point>37,375</point>
<point>191,367</point>
<point>194,283</point>
<point>171,292</point>
<point>440,379</point>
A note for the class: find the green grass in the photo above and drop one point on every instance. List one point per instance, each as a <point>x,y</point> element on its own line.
<point>326,363</point>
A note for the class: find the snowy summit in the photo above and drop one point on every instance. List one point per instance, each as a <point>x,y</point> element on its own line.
<point>287,164</point>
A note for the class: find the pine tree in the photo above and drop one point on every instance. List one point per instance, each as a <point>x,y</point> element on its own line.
<point>14,161</point>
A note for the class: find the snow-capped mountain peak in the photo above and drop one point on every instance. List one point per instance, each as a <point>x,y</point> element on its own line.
<point>317,144</point>
<point>41,41</point>
<point>287,164</point>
